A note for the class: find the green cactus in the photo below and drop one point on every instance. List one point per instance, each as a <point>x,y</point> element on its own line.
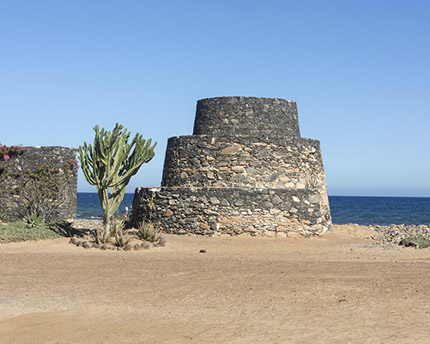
<point>109,166</point>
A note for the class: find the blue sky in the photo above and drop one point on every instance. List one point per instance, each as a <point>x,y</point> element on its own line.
<point>358,70</point>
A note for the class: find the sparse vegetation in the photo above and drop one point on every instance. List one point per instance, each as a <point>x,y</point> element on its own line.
<point>147,231</point>
<point>120,238</point>
<point>19,231</point>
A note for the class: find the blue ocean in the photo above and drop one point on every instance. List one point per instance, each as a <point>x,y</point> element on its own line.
<point>344,209</point>
<point>88,205</point>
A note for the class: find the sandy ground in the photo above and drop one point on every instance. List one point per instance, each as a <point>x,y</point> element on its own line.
<point>340,288</point>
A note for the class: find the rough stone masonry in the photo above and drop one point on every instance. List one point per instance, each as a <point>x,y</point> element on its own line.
<point>13,206</point>
<point>245,169</point>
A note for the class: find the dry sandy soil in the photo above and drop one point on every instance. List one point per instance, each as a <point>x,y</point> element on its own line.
<point>339,288</point>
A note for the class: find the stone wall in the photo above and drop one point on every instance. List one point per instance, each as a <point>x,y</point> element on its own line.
<point>12,204</point>
<point>234,211</point>
<point>245,169</point>
<point>260,118</point>
<point>230,162</point>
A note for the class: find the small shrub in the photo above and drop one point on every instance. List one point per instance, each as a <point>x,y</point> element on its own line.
<point>101,236</point>
<point>147,231</point>
<point>33,220</point>
<point>120,239</point>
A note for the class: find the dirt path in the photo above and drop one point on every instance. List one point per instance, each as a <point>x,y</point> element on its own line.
<point>340,288</point>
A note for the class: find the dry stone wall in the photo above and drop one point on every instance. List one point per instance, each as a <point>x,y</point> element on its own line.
<point>244,170</point>
<point>13,206</point>
<point>256,118</point>
<point>207,211</point>
<point>231,162</point>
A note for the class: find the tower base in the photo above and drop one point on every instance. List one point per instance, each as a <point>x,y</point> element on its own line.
<point>234,211</point>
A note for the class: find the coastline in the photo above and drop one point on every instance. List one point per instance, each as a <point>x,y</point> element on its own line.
<point>363,210</point>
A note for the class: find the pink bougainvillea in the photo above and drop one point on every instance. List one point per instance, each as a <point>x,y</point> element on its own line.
<point>7,152</point>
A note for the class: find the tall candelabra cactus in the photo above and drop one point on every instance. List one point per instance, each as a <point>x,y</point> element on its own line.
<point>110,163</point>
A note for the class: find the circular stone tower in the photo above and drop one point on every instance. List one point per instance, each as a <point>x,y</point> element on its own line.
<point>245,169</point>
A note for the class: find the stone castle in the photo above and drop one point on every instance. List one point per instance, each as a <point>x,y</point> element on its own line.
<point>245,169</point>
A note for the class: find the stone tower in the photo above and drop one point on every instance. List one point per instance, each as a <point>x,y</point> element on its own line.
<point>245,169</point>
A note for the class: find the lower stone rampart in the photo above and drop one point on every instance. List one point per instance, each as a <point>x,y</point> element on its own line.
<point>233,211</point>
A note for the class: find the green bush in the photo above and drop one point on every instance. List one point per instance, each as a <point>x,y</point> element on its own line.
<point>33,220</point>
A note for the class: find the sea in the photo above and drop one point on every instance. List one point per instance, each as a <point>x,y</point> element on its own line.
<point>344,209</point>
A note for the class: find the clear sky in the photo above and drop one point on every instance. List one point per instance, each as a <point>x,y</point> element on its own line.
<point>358,70</point>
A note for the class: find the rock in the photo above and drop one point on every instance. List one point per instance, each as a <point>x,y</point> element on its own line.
<point>224,202</point>
<point>103,247</point>
<point>219,185</point>
<point>273,177</point>
<point>233,149</point>
<point>295,199</point>
<point>409,243</point>
<point>214,200</point>
<point>86,244</point>
<point>202,251</point>
<point>274,211</point>
<point>268,205</point>
<point>314,198</point>
<point>204,226</point>
<point>128,247</point>
<point>238,169</point>
<point>276,199</point>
